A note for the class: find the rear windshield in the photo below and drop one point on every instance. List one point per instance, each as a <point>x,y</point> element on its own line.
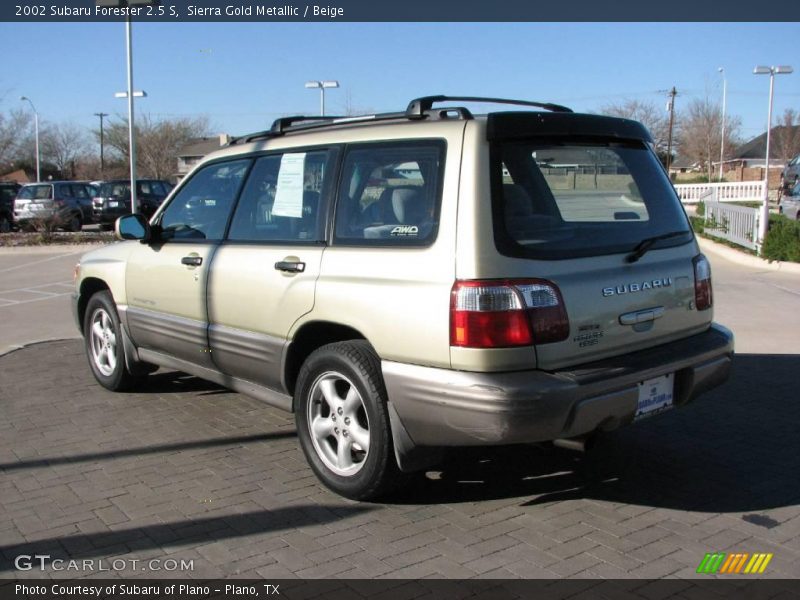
<point>110,189</point>
<point>554,200</point>
<point>36,192</point>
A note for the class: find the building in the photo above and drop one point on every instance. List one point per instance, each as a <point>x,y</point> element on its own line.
<point>194,150</point>
<point>753,152</point>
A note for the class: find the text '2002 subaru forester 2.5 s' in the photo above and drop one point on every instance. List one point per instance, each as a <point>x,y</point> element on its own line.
<point>417,280</point>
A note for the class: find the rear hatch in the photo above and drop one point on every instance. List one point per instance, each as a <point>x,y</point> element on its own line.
<point>582,201</point>
<point>34,198</point>
<point>113,196</point>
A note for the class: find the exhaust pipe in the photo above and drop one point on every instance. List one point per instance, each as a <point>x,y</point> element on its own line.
<point>577,444</point>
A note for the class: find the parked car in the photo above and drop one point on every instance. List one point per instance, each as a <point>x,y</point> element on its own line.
<point>113,198</point>
<point>416,280</point>
<point>791,174</point>
<point>8,191</point>
<point>790,203</point>
<point>67,204</point>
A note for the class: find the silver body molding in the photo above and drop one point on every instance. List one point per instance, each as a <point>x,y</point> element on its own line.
<point>259,392</point>
<point>441,407</point>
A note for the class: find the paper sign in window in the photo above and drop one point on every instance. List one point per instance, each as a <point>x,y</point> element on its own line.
<point>289,193</point>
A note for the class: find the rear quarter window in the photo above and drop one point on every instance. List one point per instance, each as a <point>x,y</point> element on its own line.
<point>390,194</point>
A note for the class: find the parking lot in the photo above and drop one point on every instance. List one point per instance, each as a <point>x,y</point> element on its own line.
<point>187,471</point>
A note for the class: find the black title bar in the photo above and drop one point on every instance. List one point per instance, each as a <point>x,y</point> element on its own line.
<point>405,10</point>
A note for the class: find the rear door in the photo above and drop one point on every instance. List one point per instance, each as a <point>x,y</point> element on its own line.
<point>574,211</point>
<point>264,275</point>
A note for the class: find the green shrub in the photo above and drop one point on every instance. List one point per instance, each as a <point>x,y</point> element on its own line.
<point>700,210</point>
<point>783,239</point>
<point>697,224</point>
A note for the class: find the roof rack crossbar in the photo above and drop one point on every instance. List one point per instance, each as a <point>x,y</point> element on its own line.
<point>419,106</point>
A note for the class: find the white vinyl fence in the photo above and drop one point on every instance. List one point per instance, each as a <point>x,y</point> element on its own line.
<point>735,191</point>
<point>737,224</point>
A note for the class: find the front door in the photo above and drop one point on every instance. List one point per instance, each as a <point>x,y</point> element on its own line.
<point>166,281</point>
<point>263,276</point>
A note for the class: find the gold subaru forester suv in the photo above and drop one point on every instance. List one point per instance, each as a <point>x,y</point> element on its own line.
<point>412,281</point>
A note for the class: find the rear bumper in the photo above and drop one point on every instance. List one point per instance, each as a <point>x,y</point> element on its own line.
<point>441,407</point>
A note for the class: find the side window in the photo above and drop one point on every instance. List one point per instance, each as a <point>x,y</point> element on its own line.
<point>65,190</point>
<point>390,194</point>
<point>143,187</point>
<point>281,201</point>
<point>200,210</point>
<point>157,188</point>
<point>79,191</point>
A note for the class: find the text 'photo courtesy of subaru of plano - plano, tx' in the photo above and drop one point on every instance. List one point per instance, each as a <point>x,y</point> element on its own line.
<point>411,281</point>
<point>65,204</point>
<point>113,199</point>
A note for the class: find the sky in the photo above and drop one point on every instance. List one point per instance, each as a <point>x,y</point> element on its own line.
<point>244,75</point>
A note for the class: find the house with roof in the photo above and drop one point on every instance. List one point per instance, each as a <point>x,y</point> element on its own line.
<point>195,149</point>
<point>753,152</point>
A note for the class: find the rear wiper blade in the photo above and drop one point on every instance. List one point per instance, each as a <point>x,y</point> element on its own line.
<point>642,247</point>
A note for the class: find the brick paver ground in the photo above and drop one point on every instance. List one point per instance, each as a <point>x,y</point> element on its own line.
<point>186,470</point>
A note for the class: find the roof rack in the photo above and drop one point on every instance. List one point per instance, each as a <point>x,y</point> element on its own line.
<point>419,108</point>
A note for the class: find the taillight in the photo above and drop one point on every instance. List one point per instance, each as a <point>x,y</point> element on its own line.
<point>506,313</point>
<point>703,296</point>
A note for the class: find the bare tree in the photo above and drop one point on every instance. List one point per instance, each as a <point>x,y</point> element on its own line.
<point>16,135</point>
<point>157,141</point>
<point>699,133</point>
<point>651,115</point>
<point>63,145</point>
<point>786,135</point>
<point>350,109</point>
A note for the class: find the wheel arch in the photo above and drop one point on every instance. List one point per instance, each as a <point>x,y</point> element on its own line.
<point>307,339</point>
<point>89,287</point>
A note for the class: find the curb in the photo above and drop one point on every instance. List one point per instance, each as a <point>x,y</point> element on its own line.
<point>746,260</point>
<point>17,347</point>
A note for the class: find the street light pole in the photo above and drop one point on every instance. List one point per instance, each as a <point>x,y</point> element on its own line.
<point>322,85</point>
<point>131,136</point>
<point>102,115</point>
<point>722,139</point>
<point>36,131</point>
<point>130,93</point>
<point>771,71</point>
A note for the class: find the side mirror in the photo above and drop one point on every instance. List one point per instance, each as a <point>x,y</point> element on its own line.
<point>133,227</point>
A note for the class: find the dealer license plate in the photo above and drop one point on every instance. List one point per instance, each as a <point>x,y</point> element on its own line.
<point>655,396</point>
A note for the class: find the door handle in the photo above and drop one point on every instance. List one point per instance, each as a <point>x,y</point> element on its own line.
<point>192,261</point>
<point>642,316</point>
<point>290,266</point>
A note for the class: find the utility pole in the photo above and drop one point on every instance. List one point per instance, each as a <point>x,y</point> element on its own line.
<point>102,115</point>
<point>672,93</point>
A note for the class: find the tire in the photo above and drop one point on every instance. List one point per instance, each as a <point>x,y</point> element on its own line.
<point>340,403</point>
<point>74,224</point>
<point>102,334</point>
